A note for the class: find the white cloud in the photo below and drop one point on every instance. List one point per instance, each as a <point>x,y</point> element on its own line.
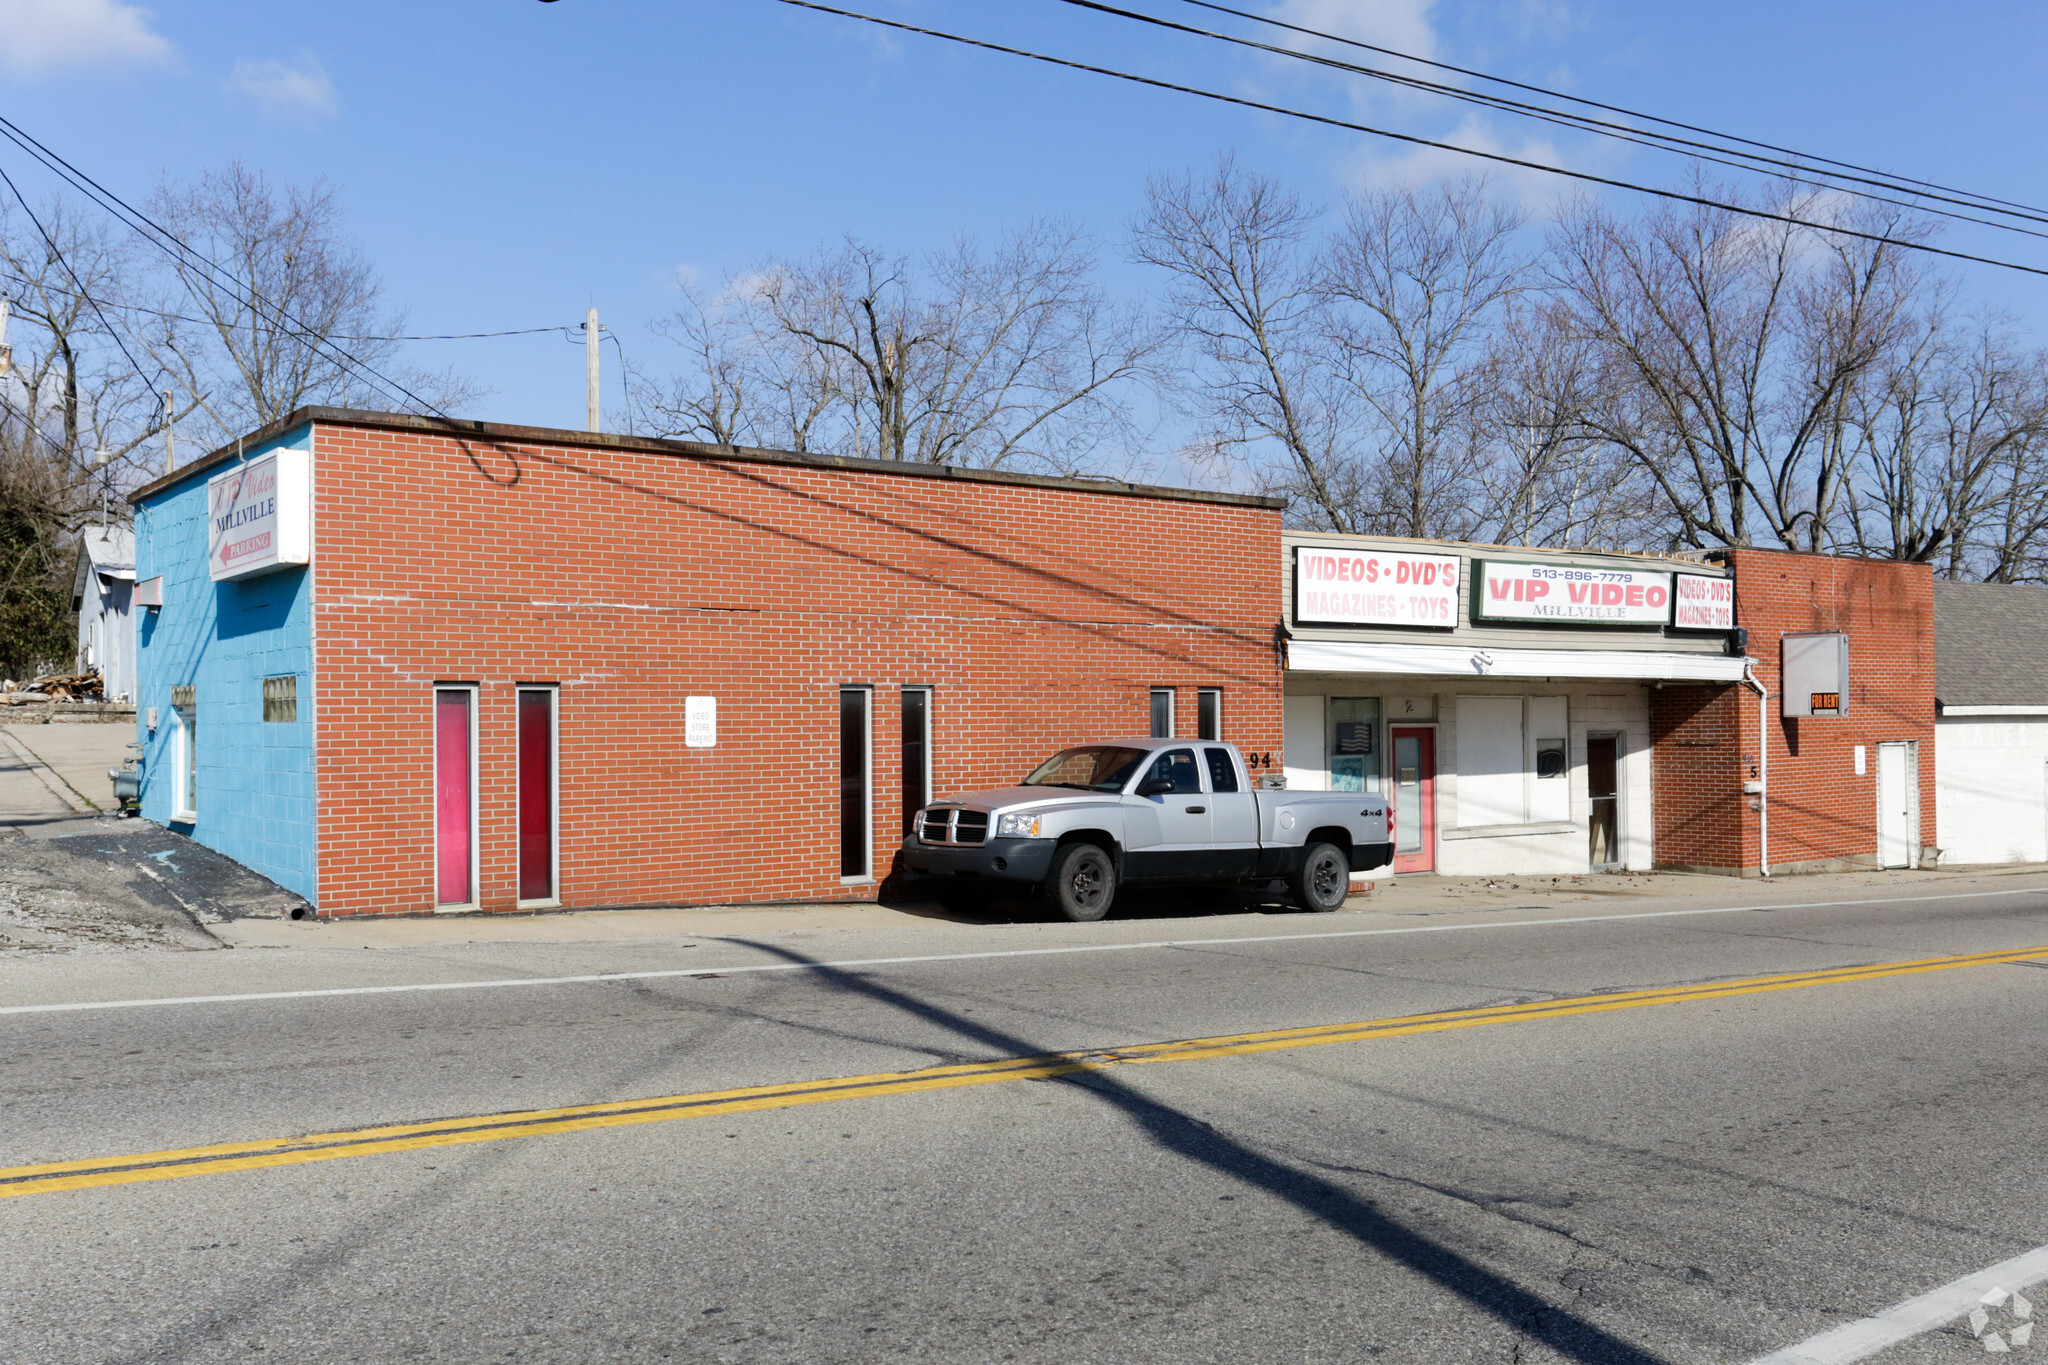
<point>301,91</point>
<point>44,35</point>
<point>1402,25</point>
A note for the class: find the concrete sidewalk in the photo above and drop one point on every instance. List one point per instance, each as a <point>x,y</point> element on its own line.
<point>1406,900</point>
<point>77,756</point>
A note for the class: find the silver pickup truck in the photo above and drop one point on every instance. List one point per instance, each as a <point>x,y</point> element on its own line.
<point>1143,810</point>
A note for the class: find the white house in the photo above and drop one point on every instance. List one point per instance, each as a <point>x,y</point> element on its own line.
<point>102,590</point>
<point>1991,727</point>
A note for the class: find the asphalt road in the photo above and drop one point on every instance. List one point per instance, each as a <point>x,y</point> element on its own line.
<point>1614,1178</point>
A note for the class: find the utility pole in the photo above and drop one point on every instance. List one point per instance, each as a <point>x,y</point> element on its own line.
<point>590,363</point>
<point>170,437</point>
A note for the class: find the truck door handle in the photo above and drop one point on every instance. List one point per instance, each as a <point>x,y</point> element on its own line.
<point>1198,810</point>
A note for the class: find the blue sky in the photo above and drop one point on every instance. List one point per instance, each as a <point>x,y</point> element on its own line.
<point>508,164</point>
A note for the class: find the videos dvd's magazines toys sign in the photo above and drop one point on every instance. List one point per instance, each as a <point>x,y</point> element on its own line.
<point>1375,588</point>
<point>260,516</point>
<point>1570,593</point>
<point>1699,602</point>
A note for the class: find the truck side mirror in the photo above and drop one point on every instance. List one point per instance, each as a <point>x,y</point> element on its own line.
<point>1156,786</point>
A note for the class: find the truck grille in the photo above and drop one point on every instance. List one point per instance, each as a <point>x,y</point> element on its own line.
<point>953,827</point>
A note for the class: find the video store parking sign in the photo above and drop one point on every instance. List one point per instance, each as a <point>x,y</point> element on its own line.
<point>1571,593</point>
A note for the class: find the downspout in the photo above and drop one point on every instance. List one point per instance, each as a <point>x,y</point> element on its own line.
<point>1763,760</point>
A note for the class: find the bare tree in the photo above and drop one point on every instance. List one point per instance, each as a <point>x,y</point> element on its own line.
<point>73,415</point>
<point>1418,280</point>
<point>1546,479</point>
<point>995,357</point>
<point>1246,300</point>
<point>1729,349</point>
<point>1950,453</point>
<point>298,317</point>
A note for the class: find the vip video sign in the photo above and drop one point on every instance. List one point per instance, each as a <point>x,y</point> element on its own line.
<point>1568,594</point>
<point>1374,588</point>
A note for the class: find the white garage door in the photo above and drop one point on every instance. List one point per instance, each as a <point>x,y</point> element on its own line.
<point>1991,789</point>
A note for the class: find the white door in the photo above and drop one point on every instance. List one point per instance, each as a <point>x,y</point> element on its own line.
<point>1894,807</point>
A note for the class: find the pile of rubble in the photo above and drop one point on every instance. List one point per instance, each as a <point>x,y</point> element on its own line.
<point>85,686</point>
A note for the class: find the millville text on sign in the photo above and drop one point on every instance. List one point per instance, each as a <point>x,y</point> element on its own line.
<point>260,515</point>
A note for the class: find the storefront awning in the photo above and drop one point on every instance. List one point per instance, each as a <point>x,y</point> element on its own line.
<point>1471,661</point>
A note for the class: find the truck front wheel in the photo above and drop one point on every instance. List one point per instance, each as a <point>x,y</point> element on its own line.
<point>1323,880</point>
<point>1081,883</point>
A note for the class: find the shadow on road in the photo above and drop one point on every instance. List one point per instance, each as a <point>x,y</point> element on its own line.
<point>1190,1138</point>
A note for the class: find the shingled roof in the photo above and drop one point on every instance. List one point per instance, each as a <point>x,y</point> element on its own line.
<point>1990,644</point>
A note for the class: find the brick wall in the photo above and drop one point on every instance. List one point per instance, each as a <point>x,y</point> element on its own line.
<point>1040,616</point>
<point>1823,814</point>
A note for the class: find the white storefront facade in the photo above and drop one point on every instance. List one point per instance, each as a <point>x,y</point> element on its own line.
<point>1499,694</point>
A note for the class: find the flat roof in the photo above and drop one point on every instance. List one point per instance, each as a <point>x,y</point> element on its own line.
<point>499,431</point>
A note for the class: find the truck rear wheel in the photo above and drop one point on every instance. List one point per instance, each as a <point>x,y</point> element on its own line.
<point>1081,883</point>
<point>1323,880</point>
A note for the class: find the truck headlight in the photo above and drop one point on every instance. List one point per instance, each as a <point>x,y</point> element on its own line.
<point>1017,826</point>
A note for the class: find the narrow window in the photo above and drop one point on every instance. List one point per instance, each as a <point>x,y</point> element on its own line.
<point>454,796</point>
<point>281,699</point>
<point>1209,713</point>
<point>537,782</point>
<point>853,783</point>
<point>917,752</point>
<point>1162,713</point>
<point>185,751</point>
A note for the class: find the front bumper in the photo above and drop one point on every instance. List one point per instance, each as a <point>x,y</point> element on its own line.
<point>998,860</point>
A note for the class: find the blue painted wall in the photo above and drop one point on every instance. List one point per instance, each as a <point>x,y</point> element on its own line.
<point>256,797</point>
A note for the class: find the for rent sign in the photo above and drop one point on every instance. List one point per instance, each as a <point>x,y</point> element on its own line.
<point>1703,603</point>
<point>1374,588</point>
<point>1568,593</point>
<point>260,515</point>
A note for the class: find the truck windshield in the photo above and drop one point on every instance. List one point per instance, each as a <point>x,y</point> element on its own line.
<point>1094,768</point>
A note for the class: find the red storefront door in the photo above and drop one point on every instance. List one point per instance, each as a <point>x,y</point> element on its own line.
<point>1414,798</point>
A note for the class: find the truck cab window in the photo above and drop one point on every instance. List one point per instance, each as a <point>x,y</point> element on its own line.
<point>1222,772</point>
<point>1178,767</point>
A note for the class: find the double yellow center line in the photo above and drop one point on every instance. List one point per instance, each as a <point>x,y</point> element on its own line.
<point>407,1137</point>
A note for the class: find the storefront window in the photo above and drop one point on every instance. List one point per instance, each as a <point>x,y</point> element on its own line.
<point>1354,744</point>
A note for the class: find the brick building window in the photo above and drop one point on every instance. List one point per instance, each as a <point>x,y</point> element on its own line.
<point>1162,713</point>
<point>281,699</point>
<point>856,763</point>
<point>539,768</point>
<point>454,797</point>
<point>917,752</point>
<point>1209,713</point>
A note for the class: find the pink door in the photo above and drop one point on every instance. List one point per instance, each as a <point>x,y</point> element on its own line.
<point>1414,799</point>
<point>454,797</point>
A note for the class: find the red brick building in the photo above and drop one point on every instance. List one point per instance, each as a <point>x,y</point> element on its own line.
<point>508,632</point>
<point>1823,793</point>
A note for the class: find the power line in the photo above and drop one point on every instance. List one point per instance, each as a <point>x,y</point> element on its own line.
<point>19,278</point>
<point>1985,200</point>
<point>1499,158</point>
<point>168,242</point>
<point>1798,171</point>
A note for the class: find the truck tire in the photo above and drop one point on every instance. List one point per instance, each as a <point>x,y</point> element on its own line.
<point>1323,880</point>
<point>1081,883</point>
